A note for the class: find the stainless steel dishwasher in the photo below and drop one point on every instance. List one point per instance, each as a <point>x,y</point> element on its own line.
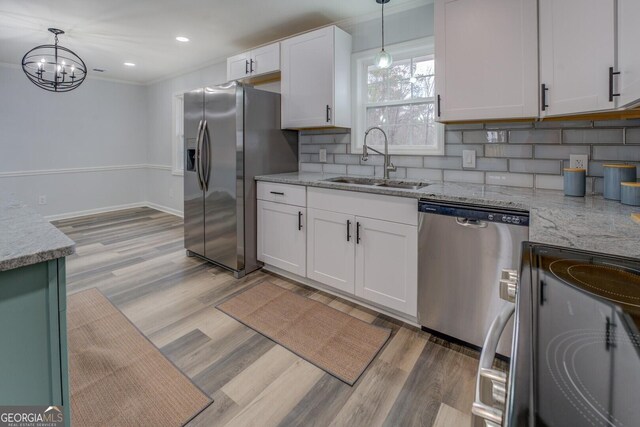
<point>462,250</point>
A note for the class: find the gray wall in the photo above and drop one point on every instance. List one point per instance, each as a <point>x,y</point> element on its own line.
<point>399,27</point>
<point>514,154</point>
<point>83,150</point>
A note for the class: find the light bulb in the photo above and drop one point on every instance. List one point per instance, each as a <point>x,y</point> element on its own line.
<point>383,59</point>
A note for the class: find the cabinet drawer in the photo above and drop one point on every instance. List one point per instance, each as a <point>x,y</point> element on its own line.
<point>403,210</point>
<point>283,193</point>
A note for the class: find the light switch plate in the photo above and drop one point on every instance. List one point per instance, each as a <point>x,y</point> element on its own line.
<point>323,155</point>
<point>579,161</point>
<point>468,158</point>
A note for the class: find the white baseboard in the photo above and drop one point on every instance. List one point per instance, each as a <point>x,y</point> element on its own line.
<point>76,214</point>
<point>164,209</point>
<point>69,215</point>
<point>309,282</point>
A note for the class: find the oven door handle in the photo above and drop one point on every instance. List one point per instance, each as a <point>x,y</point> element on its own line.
<point>490,383</point>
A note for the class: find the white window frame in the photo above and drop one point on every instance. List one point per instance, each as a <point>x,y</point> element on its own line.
<point>359,63</point>
<point>177,134</point>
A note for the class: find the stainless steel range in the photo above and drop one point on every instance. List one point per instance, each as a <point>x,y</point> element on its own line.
<point>576,353</point>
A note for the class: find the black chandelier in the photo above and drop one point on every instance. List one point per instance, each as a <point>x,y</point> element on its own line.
<point>54,68</point>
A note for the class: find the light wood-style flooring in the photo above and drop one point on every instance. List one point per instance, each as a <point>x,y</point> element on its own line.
<point>136,258</point>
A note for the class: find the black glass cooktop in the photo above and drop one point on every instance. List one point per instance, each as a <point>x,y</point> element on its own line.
<point>580,318</point>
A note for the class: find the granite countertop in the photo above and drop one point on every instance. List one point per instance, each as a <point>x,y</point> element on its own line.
<point>26,238</point>
<point>588,223</point>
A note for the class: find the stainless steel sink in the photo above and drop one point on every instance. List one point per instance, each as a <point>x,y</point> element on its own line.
<point>377,182</point>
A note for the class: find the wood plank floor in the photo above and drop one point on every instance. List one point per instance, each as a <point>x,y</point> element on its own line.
<point>136,258</point>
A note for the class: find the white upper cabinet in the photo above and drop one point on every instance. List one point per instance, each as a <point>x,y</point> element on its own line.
<point>315,79</point>
<point>577,50</point>
<point>628,82</point>
<point>265,59</point>
<point>486,55</point>
<point>256,62</point>
<point>238,66</point>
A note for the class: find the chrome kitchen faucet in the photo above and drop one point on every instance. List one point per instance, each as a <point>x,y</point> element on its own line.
<point>388,166</point>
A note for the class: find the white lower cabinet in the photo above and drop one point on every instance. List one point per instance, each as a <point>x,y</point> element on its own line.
<point>282,236</point>
<point>387,264</point>
<point>329,237</point>
<point>331,249</point>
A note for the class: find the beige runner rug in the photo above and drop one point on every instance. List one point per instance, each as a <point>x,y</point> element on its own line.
<point>117,376</point>
<point>330,339</point>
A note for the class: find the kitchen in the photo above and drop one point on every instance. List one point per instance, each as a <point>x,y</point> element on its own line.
<point>341,214</point>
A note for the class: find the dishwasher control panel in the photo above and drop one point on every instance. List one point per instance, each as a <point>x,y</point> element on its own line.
<point>477,213</point>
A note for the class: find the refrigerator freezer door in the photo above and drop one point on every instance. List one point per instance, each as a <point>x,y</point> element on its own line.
<point>193,196</point>
<point>223,163</point>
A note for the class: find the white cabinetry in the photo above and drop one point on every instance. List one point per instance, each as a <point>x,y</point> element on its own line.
<point>256,62</point>
<point>486,55</point>
<point>577,50</point>
<point>315,79</point>
<point>374,258</point>
<point>628,56</point>
<point>387,264</point>
<point>281,239</point>
<point>330,249</point>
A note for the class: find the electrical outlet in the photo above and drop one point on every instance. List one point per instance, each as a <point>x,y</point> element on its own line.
<point>323,155</point>
<point>579,161</point>
<point>42,200</point>
<point>171,192</point>
<point>469,159</point>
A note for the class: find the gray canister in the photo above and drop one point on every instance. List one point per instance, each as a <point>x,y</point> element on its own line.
<point>630,193</point>
<point>614,174</point>
<point>574,182</point>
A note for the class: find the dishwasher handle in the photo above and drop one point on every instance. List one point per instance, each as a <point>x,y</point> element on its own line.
<point>471,223</point>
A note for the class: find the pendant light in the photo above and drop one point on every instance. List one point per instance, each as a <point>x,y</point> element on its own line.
<point>383,58</point>
<point>53,67</point>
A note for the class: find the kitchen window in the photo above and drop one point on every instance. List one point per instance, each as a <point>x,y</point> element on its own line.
<point>400,99</point>
<point>178,135</point>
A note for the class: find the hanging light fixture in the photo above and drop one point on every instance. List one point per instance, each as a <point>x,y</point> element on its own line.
<point>383,58</point>
<point>54,68</point>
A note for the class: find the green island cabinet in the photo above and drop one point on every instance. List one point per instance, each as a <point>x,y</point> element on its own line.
<point>33,337</point>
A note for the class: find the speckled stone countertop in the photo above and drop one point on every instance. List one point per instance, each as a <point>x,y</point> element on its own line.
<point>589,223</point>
<point>26,238</point>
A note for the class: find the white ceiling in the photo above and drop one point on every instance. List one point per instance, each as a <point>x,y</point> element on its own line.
<point>107,33</point>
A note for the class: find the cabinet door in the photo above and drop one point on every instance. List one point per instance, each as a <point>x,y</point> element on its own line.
<point>576,50</point>
<point>387,264</point>
<point>308,79</point>
<point>30,355</point>
<point>486,59</point>
<point>282,236</point>
<point>238,66</point>
<point>265,59</point>
<point>331,249</point>
<point>628,57</point>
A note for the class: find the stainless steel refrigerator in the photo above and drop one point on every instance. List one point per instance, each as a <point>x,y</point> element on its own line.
<point>232,134</point>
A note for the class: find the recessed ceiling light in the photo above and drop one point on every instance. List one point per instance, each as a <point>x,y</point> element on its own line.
<point>129,64</point>
<point>182,39</point>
